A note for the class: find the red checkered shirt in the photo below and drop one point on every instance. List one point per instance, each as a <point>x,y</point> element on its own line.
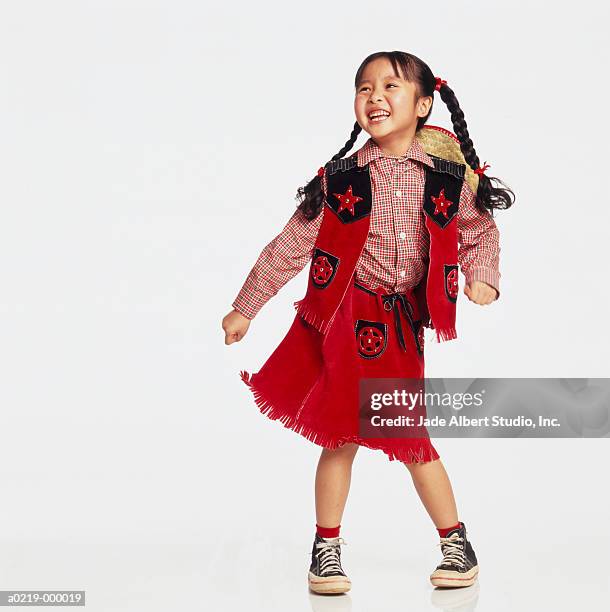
<point>395,254</point>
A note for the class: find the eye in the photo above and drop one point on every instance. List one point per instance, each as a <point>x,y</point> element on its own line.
<point>363,88</point>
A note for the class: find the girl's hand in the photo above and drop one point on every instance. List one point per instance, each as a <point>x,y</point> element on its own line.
<point>480,292</point>
<point>235,326</point>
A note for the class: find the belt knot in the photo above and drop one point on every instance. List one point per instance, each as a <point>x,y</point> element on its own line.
<point>393,301</point>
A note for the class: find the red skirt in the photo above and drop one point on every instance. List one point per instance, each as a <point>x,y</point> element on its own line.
<point>310,382</point>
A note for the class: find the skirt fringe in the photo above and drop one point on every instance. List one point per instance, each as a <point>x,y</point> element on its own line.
<point>424,453</point>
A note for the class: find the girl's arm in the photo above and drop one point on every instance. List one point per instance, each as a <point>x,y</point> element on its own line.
<point>282,259</point>
<point>479,238</point>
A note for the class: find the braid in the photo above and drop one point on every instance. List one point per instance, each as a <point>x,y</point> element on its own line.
<point>350,142</point>
<point>488,196</point>
<point>312,195</point>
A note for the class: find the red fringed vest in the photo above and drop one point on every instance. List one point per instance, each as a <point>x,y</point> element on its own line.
<point>344,230</point>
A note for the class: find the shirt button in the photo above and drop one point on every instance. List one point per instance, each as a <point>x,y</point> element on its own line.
<point>402,235</point>
<point>402,273</point>
<point>398,193</point>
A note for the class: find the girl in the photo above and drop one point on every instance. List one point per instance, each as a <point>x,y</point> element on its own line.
<point>385,229</point>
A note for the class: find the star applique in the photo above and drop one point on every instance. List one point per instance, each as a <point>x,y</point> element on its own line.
<point>441,204</point>
<point>347,200</point>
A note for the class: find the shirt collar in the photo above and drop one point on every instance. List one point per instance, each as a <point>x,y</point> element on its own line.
<point>371,151</point>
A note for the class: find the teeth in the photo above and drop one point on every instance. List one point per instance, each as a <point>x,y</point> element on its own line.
<point>379,114</point>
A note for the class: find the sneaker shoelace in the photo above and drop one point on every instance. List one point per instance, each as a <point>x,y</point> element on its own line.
<point>453,550</point>
<point>328,554</point>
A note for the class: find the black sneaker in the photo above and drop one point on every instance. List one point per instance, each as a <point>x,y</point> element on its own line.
<point>459,567</point>
<point>325,573</point>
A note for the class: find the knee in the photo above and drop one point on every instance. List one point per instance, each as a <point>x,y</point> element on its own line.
<point>418,467</point>
<point>347,452</point>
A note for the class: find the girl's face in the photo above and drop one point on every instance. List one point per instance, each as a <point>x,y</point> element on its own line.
<point>381,89</point>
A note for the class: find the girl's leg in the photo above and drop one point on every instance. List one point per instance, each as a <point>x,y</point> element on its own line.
<point>333,477</point>
<point>434,489</point>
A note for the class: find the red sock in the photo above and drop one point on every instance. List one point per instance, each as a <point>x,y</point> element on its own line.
<point>445,530</point>
<point>328,532</point>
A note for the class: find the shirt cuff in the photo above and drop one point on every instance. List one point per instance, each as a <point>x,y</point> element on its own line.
<point>244,309</point>
<point>487,275</point>
<point>249,301</point>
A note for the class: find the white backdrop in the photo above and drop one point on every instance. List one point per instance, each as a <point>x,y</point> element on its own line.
<point>148,151</point>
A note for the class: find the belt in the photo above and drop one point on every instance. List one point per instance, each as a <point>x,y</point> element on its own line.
<point>393,301</point>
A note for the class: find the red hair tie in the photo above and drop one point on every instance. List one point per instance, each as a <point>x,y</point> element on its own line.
<point>439,83</point>
<point>321,171</point>
<point>480,171</point>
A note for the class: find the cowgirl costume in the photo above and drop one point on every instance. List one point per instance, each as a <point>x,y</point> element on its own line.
<point>349,326</point>
<point>352,322</point>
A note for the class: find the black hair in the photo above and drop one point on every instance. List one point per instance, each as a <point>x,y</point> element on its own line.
<point>488,197</point>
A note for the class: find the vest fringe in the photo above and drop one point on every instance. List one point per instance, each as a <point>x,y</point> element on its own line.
<point>424,453</point>
<point>311,317</point>
<point>442,335</point>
